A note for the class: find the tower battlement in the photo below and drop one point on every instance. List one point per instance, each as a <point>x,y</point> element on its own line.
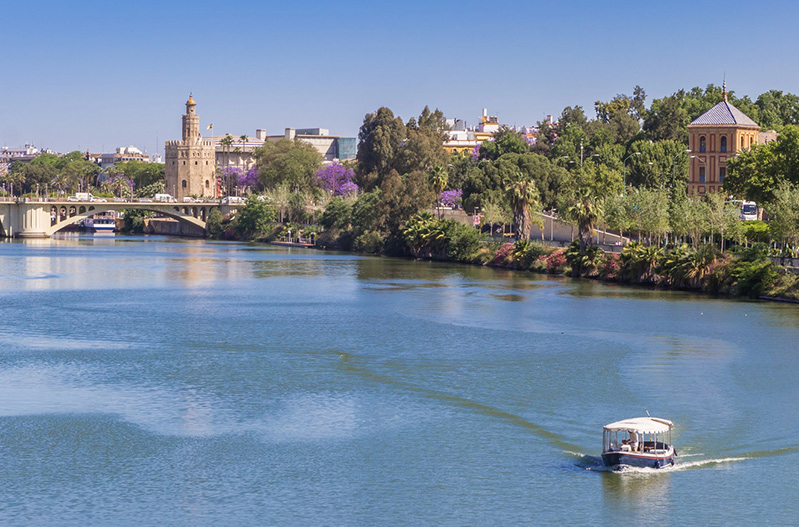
<point>190,167</point>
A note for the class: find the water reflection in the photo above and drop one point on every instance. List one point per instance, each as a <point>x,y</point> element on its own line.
<point>638,495</point>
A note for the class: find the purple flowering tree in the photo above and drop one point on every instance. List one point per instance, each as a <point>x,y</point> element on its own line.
<point>249,179</point>
<point>337,180</point>
<point>475,154</point>
<point>450,198</point>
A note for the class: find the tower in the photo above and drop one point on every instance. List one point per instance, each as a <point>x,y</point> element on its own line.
<point>713,137</point>
<point>190,162</point>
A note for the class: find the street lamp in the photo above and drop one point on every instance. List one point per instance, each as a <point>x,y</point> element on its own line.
<point>624,169</point>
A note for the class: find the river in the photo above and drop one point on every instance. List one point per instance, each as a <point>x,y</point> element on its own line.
<point>165,381</point>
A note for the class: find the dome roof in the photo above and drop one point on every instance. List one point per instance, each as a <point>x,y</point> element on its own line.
<point>191,100</point>
<point>724,113</point>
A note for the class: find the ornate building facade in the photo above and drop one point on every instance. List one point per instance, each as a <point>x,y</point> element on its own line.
<point>714,137</point>
<point>191,162</point>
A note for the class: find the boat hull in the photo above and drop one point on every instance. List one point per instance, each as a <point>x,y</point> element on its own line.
<point>611,459</point>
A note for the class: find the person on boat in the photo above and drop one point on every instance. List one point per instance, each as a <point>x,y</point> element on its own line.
<point>633,440</point>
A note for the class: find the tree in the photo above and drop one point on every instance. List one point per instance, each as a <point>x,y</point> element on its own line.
<point>424,145</point>
<point>622,114</point>
<point>667,119</point>
<point>777,109</point>
<point>584,209</point>
<point>438,180</point>
<point>288,163</point>
<point>504,141</point>
<point>254,218</point>
<point>523,197</point>
<point>336,180</point>
<point>379,139</point>
<point>783,212</point>
<point>227,143</point>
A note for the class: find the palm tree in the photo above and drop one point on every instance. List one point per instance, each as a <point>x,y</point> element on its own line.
<point>585,210</point>
<point>243,139</point>
<point>438,180</point>
<point>523,197</point>
<point>226,143</point>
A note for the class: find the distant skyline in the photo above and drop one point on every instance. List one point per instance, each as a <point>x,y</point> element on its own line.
<point>96,75</point>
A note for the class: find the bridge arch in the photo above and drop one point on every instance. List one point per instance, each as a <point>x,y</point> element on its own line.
<point>74,216</point>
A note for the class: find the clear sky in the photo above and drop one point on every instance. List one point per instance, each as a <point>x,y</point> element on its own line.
<point>98,75</point>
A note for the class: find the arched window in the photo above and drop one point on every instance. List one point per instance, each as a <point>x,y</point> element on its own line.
<point>196,163</point>
<point>207,184</point>
<point>723,143</point>
<point>702,144</point>
<point>183,183</point>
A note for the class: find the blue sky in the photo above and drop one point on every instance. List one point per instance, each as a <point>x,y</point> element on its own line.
<point>100,75</point>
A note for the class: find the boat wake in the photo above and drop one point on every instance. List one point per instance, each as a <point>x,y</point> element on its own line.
<point>595,464</point>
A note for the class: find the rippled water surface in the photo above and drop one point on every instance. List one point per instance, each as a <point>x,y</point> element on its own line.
<point>161,381</point>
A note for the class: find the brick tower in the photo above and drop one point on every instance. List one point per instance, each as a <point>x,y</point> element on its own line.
<point>190,162</point>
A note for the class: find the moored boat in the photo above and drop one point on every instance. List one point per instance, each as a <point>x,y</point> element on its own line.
<point>638,442</point>
<point>100,224</point>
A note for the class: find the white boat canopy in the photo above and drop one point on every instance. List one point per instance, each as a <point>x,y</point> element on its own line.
<point>644,425</point>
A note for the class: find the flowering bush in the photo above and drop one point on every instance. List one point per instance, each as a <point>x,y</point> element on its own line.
<point>556,262</point>
<point>449,198</point>
<point>504,255</point>
<point>612,268</point>
<point>336,179</point>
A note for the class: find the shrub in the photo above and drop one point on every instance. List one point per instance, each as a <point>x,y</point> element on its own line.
<point>369,242</point>
<point>556,262</point>
<point>214,223</point>
<point>504,256</point>
<point>463,242</point>
<point>611,268</point>
<point>753,278</point>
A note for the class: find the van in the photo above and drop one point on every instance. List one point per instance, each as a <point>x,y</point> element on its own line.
<point>748,210</point>
<point>82,196</point>
<point>165,198</point>
<point>233,199</point>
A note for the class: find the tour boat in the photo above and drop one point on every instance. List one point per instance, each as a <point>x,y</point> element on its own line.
<point>638,442</point>
<point>100,224</point>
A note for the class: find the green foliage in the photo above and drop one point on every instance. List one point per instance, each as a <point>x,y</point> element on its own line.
<point>424,235</point>
<point>584,209</point>
<point>640,263</point>
<point>386,144</point>
<point>214,223</point>
<point>337,214</point>
<point>287,163</point>
<point>150,190</point>
<point>505,141</point>
<point>254,218</point>
<point>142,174</point>
<point>369,242</point>
<point>754,277</point>
<point>134,220</point>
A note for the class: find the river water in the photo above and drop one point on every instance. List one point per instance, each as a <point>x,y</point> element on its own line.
<point>163,381</point>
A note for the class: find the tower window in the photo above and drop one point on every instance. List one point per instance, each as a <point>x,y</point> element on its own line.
<point>196,163</point>
<point>724,144</point>
<point>183,183</point>
<point>701,174</point>
<point>702,144</point>
<point>722,174</point>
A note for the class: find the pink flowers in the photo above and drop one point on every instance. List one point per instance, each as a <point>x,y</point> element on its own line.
<point>556,262</point>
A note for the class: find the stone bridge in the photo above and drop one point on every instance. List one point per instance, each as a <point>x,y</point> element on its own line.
<point>31,218</point>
